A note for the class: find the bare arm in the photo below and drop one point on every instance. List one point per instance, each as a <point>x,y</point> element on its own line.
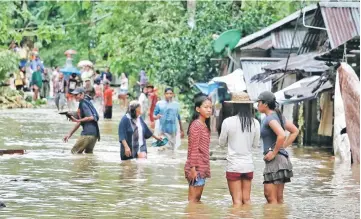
<point>85,119</point>
<point>66,138</point>
<point>289,126</point>
<point>223,137</point>
<point>74,129</point>
<point>180,125</point>
<point>156,138</point>
<point>257,134</point>
<point>124,142</point>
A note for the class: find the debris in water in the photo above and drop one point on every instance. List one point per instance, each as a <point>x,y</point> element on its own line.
<point>10,151</point>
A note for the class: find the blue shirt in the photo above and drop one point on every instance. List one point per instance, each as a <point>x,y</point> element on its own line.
<point>125,132</point>
<point>170,116</point>
<point>89,128</point>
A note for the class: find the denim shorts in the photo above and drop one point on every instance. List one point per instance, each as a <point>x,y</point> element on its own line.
<point>123,91</point>
<point>199,182</point>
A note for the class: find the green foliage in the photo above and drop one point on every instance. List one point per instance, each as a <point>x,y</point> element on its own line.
<point>130,36</point>
<point>8,62</point>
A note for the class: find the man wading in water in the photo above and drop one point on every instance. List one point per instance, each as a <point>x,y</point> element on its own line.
<point>88,118</point>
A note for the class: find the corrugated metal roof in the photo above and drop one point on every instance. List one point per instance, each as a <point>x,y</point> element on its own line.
<point>303,63</point>
<point>265,43</point>
<point>253,66</point>
<point>279,40</point>
<point>283,39</point>
<point>342,20</point>
<point>278,24</point>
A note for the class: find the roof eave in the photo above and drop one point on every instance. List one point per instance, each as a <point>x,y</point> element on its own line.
<point>278,24</point>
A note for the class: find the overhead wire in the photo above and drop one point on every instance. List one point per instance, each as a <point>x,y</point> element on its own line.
<point>290,50</point>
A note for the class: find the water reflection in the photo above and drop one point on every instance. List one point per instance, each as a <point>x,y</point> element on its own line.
<point>197,211</point>
<point>100,186</point>
<point>244,211</point>
<point>275,211</point>
<point>84,163</point>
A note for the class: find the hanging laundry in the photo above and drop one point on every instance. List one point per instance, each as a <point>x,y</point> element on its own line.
<point>326,105</point>
<point>350,91</point>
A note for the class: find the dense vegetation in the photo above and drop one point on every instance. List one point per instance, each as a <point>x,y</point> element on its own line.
<point>130,36</point>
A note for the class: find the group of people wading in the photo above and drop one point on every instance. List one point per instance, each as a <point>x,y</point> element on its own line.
<point>240,132</point>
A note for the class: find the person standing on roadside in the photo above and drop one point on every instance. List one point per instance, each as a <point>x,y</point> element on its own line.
<point>36,82</point>
<point>45,88</point>
<point>20,78</point>
<point>60,89</point>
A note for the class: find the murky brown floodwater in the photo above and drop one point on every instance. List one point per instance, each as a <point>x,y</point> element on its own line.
<point>63,185</point>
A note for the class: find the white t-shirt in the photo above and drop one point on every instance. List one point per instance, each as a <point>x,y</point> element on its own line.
<point>143,100</point>
<point>55,75</point>
<point>140,132</point>
<point>239,156</point>
<point>124,84</point>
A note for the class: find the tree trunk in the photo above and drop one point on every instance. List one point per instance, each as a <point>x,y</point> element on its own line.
<point>191,8</point>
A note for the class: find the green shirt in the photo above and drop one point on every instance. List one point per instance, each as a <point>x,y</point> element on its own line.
<point>36,79</point>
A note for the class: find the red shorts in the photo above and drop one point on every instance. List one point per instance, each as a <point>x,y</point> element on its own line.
<point>239,176</point>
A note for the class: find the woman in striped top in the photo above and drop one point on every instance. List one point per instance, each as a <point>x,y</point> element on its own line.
<point>197,167</point>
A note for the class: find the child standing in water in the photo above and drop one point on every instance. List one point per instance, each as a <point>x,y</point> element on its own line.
<point>197,167</point>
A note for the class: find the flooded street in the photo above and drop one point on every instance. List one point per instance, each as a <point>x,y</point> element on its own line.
<point>48,181</point>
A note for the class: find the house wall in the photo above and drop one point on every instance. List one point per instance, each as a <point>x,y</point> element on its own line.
<point>311,118</point>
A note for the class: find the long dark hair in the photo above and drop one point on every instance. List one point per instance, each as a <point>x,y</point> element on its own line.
<point>198,101</point>
<point>273,105</point>
<point>245,115</point>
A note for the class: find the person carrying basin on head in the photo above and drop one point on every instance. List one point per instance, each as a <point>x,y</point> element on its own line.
<point>133,133</point>
<point>88,119</point>
<point>278,167</point>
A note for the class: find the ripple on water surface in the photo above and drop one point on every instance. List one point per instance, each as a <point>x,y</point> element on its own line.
<point>48,181</point>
